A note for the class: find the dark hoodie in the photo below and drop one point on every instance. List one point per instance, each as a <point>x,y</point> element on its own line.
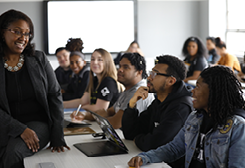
<point>78,84</point>
<point>159,124</point>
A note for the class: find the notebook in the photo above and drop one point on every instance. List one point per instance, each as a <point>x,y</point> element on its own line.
<point>111,146</point>
<point>73,123</point>
<point>78,131</point>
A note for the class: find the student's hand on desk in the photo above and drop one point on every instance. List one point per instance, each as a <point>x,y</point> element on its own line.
<point>142,92</point>
<point>135,162</point>
<point>58,148</point>
<point>79,117</point>
<point>102,112</point>
<point>30,138</point>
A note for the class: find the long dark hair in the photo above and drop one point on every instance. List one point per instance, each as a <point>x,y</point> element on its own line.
<point>9,17</point>
<point>225,93</point>
<point>219,43</point>
<point>201,52</point>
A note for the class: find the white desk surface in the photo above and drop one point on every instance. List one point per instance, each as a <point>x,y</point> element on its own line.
<point>76,159</point>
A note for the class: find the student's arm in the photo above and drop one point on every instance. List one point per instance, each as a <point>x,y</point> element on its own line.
<point>201,64</point>
<point>236,156</point>
<point>193,77</point>
<point>116,120</point>
<point>75,102</point>
<point>228,61</point>
<point>106,113</point>
<point>100,104</point>
<point>171,121</point>
<point>165,153</point>
<point>131,125</point>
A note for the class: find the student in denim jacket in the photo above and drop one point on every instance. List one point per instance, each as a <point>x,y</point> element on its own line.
<point>213,135</point>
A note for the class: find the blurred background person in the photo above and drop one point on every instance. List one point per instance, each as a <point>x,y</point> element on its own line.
<point>80,76</point>
<point>133,48</point>
<point>213,57</point>
<point>63,72</point>
<point>226,59</point>
<point>195,54</point>
<point>74,44</point>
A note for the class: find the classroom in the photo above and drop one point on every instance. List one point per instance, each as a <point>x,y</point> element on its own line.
<point>162,83</point>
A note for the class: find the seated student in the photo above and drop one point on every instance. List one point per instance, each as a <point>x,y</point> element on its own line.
<point>63,72</point>
<point>80,76</point>
<point>213,57</point>
<point>103,89</point>
<point>133,48</point>
<point>213,135</point>
<point>226,58</point>
<point>131,73</point>
<point>166,115</point>
<point>195,57</point>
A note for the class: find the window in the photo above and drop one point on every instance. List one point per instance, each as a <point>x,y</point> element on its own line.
<point>235,27</point>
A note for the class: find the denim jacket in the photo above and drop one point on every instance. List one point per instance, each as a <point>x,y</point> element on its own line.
<point>224,146</point>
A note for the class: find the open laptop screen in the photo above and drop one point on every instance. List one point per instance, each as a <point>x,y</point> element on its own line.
<point>108,130</point>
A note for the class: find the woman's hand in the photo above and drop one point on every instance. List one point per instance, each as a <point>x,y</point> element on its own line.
<point>135,162</point>
<point>30,138</point>
<point>79,117</point>
<point>58,148</point>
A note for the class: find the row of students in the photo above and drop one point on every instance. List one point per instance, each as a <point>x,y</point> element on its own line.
<point>131,74</point>
<point>197,58</point>
<point>38,117</point>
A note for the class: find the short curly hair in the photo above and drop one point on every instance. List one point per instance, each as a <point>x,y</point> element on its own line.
<point>137,61</point>
<point>176,67</point>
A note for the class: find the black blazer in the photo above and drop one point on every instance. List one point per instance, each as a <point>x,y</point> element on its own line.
<point>48,94</point>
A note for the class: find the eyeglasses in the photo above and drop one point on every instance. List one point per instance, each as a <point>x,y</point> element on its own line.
<point>153,74</point>
<point>18,33</point>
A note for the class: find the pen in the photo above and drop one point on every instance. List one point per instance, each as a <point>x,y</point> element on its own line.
<point>78,109</point>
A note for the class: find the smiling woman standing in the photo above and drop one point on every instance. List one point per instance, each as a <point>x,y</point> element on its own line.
<point>31,111</point>
<point>213,135</point>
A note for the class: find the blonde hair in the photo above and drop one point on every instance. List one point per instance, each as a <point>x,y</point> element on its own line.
<point>109,70</point>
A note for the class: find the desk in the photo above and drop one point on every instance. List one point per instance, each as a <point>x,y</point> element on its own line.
<point>76,159</point>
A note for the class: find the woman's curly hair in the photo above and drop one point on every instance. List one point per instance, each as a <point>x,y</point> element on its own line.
<point>225,93</point>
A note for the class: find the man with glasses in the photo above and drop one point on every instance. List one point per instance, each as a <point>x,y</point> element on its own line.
<point>166,115</point>
<point>131,73</point>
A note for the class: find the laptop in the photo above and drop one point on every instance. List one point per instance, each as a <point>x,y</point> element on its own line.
<point>113,144</point>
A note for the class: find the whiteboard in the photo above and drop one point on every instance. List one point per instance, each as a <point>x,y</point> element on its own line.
<point>100,24</point>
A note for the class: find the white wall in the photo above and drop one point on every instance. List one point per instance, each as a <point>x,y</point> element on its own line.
<point>163,25</point>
